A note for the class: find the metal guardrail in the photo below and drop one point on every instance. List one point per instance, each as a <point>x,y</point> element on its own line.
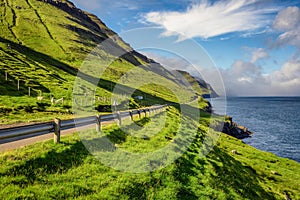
<point>24,130</point>
<point>18,133</point>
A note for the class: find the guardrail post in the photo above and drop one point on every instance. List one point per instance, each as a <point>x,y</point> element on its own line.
<point>139,112</point>
<point>131,115</point>
<point>145,111</point>
<point>98,123</point>
<point>57,125</point>
<point>119,118</point>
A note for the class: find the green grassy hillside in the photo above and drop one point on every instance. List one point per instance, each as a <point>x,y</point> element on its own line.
<point>42,46</point>
<point>69,171</point>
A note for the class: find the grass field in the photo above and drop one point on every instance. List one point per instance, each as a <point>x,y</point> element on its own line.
<point>69,171</point>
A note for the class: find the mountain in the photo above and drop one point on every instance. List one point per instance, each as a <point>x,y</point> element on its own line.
<point>201,87</point>
<point>43,43</point>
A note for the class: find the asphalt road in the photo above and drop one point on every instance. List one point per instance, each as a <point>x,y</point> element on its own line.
<point>31,140</point>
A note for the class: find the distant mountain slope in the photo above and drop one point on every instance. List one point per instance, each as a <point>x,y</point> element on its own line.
<point>44,42</point>
<point>199,85</point>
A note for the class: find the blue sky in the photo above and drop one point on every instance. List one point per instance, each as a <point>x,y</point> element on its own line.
<point>254,43</point>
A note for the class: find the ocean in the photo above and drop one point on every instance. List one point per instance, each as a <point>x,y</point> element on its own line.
<point>275,122</point>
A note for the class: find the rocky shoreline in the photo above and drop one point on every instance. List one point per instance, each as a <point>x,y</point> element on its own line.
<point>235,130</point>
<point>229,127</point>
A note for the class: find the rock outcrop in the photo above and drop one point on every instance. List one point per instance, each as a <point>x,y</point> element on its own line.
<point>208,108</point>
<point>236,130</point>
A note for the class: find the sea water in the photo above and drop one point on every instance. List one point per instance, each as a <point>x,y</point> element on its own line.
<point>275,122</point>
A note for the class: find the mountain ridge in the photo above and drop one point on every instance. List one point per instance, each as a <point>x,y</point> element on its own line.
<point>43,43</point>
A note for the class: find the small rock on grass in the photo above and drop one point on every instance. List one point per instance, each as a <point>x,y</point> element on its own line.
<point>234,151</point>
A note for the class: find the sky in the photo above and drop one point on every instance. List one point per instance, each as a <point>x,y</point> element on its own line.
<point>254,45</point>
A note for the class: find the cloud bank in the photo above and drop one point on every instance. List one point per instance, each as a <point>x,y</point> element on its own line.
<point>247,79</point>
<point>207,19</point>
<point>243,78</point>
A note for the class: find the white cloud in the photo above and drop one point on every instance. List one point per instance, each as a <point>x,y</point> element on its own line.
<point>291,37</point>
<point>241,68</point>
<point>289,72</point>
<point>258,54</point>
<point>207,19</point>
<point>287,19</point>
<point>288,22</point>
<point>246,79</point>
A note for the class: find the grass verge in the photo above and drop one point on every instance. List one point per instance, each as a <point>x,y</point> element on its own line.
<point>69,171</point>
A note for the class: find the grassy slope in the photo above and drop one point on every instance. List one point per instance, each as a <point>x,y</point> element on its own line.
<point>193,82</point>
<point>43,46</point>
<point>68,171</point>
